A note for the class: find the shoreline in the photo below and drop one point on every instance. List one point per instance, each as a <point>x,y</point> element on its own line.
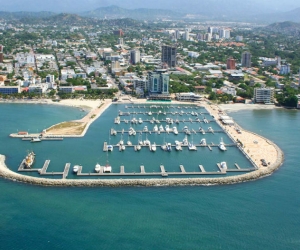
<point>272,151</point>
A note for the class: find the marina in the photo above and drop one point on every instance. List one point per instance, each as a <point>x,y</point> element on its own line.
<point>170,139</point>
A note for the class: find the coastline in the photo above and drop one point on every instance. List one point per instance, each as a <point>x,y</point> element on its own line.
<point>264,148</point>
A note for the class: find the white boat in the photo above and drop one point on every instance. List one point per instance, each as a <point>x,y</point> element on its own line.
<point>133,120</point>
<point>110,148</point>
<point>121,142</point>
<point>178,145</point>
<point>223,165</point>
<point>161,128</point>
<point>140,120</point>
<point>138,147</point>
<point>167,128</point>
<point>192,147</point>
<point>185,141</point>
<point>35,139</point>
<point>175,131</point>
<point>155,128</point>
<point>222,145</point>
<point>149,113</point>
<point>129,143</point>
<point>205,120</point>
<point>153,147</point>
<point>203,142</point>
<point>97,168</point>
<point>76,168</point>
<point>107,168</point>
<point>145,129</point>
<point>164,147</point>
<point>169,146</point>
<point>210,129</point>
<point>147,142</point>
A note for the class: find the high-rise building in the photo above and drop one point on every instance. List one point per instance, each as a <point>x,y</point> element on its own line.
<point>187,34</point>
<point>135,56</point>
<point>158,82</point>
<point>168,55</point>
<point>230,63</point>
<point>177,34</point>
<point>121,41</point>
<point>208,37</point>
<point>239,38</point>
<point>1,54</point>
<point>246,59</point>
<point>285,69</point>
<point>119,32</point>
<point>264,95</point>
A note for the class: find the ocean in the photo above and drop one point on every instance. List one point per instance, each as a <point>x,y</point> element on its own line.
<point>263,214</point>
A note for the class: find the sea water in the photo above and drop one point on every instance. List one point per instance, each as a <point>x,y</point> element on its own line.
<point>263,214</point>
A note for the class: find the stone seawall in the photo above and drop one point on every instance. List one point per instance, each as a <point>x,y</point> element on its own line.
<point>6,173</point>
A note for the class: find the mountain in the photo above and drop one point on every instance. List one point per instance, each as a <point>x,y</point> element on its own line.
<point>287,28</point>
<point>292,16</point>
<point>114,11</point>
<point>25,14</point>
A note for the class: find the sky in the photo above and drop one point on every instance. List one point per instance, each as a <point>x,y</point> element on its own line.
<point>187,6</point>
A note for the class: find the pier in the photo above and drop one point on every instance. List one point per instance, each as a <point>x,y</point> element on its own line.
<point>202,168</point>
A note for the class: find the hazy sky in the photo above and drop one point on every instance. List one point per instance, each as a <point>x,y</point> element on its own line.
<point>258,6</point>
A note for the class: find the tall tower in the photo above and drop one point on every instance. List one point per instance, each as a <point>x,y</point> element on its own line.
<point>1,54</point>
<point>230,63</point>
<point>168,55</point>
<point>135,56</point>
<point>246,59</point>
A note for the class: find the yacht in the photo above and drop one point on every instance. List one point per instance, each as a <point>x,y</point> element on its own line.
<point>222,145</point>
<point>164,147</point>
<point>35,139</point>
<point>185,141</point>
<point>203,142</point>
<point>205,120</point>
<point>140,121</point>
<point>155,128</point>
<point>107,168</point>
<point>76,168</point>
<point>161,128</point>
<point>121,142</point>
<point>223,165</point>
<point>210,129</point>
<point>129,143</point>
<point>29,159</point>
<point>110,148</point>
<point>169,146</point>
<point>149,113</point>
<point>175,131</point>
<point>145,129</point>
<point>167,128</point>
<point>192,147</point>
<point>97,168</point>
<point>153,147</point>
<point>138,147</point>
<point>147,142</point>
<point>178,145</point>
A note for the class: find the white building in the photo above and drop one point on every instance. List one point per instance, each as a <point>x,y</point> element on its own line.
<point>285,69</point>
<point>67,73</point>
<point>135,56</point>
<point>39,88</point>
<point>188,97</point>
<point>264,95</point>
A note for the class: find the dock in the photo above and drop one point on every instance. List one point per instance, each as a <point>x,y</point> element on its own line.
<point>23,169</point>
<point>237,166</point>
<point>45,167</point>
<point>202,168</point>
<point>44,138</point>
<point>209,147</point>
<point>122,171</point>
<point>66,170</point>
<point>182,169</point>
<point>163,171</point>
<point>105,146</point>
<point>142,167</point>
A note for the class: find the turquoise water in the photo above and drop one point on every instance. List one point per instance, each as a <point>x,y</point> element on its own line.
<point>264,214</point>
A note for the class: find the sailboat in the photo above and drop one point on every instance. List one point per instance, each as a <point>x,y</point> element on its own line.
<point>191,145</point>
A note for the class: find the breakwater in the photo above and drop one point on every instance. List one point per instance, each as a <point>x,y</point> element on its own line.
<point>6,173</point>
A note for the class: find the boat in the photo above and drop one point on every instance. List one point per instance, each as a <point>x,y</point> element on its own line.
<point>161,128</point>
<point>153,147</point>
<point>97,168</point>
<point>203,142</point>
<point>76,168</point>
<point>129,143</point>
<point>223,165</point>
<point>138,147</point>
<point>110,148</point>
<point>169,146</point>
<point>210,129</point>
<point>185,141</point>
<point>121,142</point>
<point>192,147</point>
<point>140,120</point>
<point>147,142</point>
<point>178,145</point>
<point>175,131</point>
<point>107,168</point>
<point>222,145</point>
<point>167,128</point>
<point>149,113</point>
<point>35,139</point>
<point>29,159</point>
<point>123,147</point>
<point>145,129</point>
<point>155,128</point>
<point>205,120</point>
